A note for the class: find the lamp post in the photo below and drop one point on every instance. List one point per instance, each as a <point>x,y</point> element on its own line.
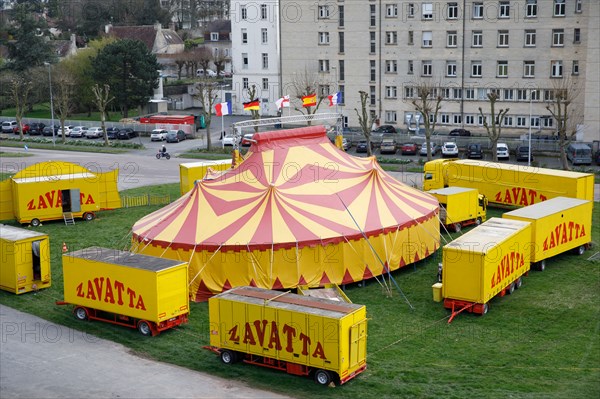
<point>530,116</point>
<point>51,102</point>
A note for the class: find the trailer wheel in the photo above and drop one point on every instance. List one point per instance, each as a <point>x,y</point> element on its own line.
<point>580,250</point>
<point>88,216</point>
<point>541,265</point>
<point>518,283</point>
<point>80,313</point>
<point>228,357</point>
<point>510,289</point>
<point>35,222</point>
<point>457,227</point>
<point>144,328</point>
<point>484,309</point>
<point>322,377</point>
<point>478,221</point>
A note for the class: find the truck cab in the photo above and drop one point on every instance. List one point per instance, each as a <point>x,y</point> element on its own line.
<point>434,174</point>
<point>460,207</point>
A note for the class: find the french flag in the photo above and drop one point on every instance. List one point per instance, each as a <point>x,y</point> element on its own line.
<point>223,108</point>
<point>335,99</point>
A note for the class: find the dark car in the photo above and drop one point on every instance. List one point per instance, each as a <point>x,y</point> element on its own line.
<point>51,130</point>
<point>126,133</point>
<point>175,136</point>
<point>459,132</point>
<point>362,146</point>
<point>36,128</point>
<point>408,149</point>
<point>597,157</point>
<point>522,153</point>
<point>474,151</point>
<point>112,133</point>
<point>384,129</point>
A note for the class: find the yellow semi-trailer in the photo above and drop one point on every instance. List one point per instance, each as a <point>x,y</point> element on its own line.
<point>558,225</point>
<point>298,334</point>
<point>24,260</point>
<point>487,261</point>
<point>119,287</point>
<point>508,184</point>
<point>460,206</point>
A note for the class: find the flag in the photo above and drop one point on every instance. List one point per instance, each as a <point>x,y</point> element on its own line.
<point>309,101</point>
<point>335,99</point>
<point>253,105</point>
<point>223,108</point>
<point>283,102</point>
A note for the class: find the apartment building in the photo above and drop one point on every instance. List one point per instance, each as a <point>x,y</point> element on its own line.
<point>522,50</point>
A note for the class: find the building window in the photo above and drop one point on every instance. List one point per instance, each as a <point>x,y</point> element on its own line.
<point>578,6</point>
<point>558,37</point>
<point>391,66</point>
<point>477,10</point>
<point>535,121</point>
<point>263,11</point>
<point>557,69</point>
<point>409,92</point>
<point>469,94</point>
<point>548,122</point>
<point>411,67</point>
<point>469,119</point>
<point>452,10</point>
<point>391,37</point>
<point>427,39</point>
<point>264,36</point>
<point>451,68</point>
<point>477,38</point>
<point>476,69</point>
<point>482,94</point>
<point>457,93</point>
<point>559,8</point>
<point>323,12</point>
<point>534,95</point>
<point>245,83</point>
<point>529,38</point>
<point>324,90</point>
<point>214,36</point>
<point>521,95</point>
<point>445,119</point>
<point>323,37</point>
<point>391,91</point>
<point>411,37</point>
<point>245,60</point>
<point>373,16</point>
<point>445,93</point>
<point>372,94</point>
<point>265,84</point>
<point>244,36</point>
<point>410,10</point>
<point>577,36</point>
<point>508,121</point>
<point>373,70</point>
<point>548,95</point>
<point>451,39</point>
<point>391,10</point>
<point>502,70</point>
<point>342,70</point>
<point>341,90</point>
<point>244,12</point>
<point>457,119</point>
<point>265,60</point>
<point>504,9</point>
<point>341,16</point>
<point>391,117</point>
<point>508,94</point>
<point>528,69</point>
<point>575,68</point>
<point>373,42</point>
<point>502,38</point>
<point>323,65</point>
<point>531,9</point>
<point>341,41</point>
<point>427,11</point>
<point>427,68</point>
<point>521,121</point>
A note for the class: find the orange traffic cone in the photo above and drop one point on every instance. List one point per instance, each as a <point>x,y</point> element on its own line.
<point>65,247</point>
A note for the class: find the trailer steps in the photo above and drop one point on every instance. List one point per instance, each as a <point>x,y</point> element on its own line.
<point>68,217</point>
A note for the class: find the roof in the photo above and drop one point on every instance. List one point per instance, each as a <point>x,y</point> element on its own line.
<point>124,258</point>
<point>548,207</point>
<point>487,236</point>
<point>145,33</point>
<point>451,190</point>
<point>532,169</point>
<point>11,233</point>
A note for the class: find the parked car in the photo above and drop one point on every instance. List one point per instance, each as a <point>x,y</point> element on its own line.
<point>36,128</point>
<point>126,133</point>
<point>68,129</point>
<point>459,132</point>
<point>361,147</point>
<point>51,130</point>
<point>112,133</point>
<point>9,126</point>
<point>384,129</point>
<point>158,135</point>
<point>597,157</point>
<point>579,154</point>
<point>25,128</point>
<point>474,151</point>
<point>208,73</point>
<point>175,136</point>
<point>434,149</point>
<point>449,149</point>
<point>78,131</point>
<point>409,149</point>
<point>94,132</point>
<point>225,74</point>
<point>346,144</point>
<point>502,151</point>
<point>522,153</point>
<point>247,140</point>
<point>227,139</point>
<point>388,146</point>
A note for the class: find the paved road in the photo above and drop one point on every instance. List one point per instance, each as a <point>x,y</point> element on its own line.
<point>39,359</point>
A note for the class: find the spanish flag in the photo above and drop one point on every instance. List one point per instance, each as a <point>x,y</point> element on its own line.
<point>253,105</point>
<point>309,101</point>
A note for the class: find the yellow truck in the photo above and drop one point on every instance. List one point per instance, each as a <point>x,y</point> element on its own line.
<point>460,206</point>
<point>128,289</point>
<point>25,260</point>
<point>507,184</point>
<point>487,261</point>
<point>301,335</point>
<point>189,172</point>
<point>558,225</point>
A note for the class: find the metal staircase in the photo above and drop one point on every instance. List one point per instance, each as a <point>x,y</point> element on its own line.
<point>68,217</point>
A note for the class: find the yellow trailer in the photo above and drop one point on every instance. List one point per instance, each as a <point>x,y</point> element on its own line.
<point>133,290</point>
<point>301,335</point>
<point>484,262</point>
<point>191,171</point>
<point>508,184</point>
<point>558,225</point>
<point>25,264</point>
<point>460,206</point>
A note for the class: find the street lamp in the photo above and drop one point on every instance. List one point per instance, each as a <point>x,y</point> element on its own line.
<point>530,116</point>
<point>51,102</point>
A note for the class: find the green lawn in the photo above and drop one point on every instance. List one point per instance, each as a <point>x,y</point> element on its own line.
<point>42,111</point>
<point>541,342</point>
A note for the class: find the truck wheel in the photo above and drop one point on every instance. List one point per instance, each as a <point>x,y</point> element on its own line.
<point>457,227</point>
<point>510,289</point>
<point>144,328</point>
<point>80,314</point>
<point>478,221</point>
<point>88,216</point>
<point>228,357</point>
<point>518,283</point>
<point>322,377</point>
<point>484,309</point>
<point>35,222</point>
<point>541,265</point>
<point>580,250</point>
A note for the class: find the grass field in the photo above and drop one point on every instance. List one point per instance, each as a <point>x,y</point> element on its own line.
<point>541,342</point>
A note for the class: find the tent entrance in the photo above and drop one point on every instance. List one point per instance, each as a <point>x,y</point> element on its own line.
<point>70,200</point>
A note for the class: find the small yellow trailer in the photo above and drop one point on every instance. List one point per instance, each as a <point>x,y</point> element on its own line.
<point>460,206</point>
<point>132,290</point>
<point>300,335</point>
<point>189,172</point>
<point>557,225</point>
<point>487,261</point>
<point>25,260</point>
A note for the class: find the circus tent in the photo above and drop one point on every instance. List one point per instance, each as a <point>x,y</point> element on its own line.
<point>296,211</point>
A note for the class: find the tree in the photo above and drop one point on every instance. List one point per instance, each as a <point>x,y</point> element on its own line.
<point>253,95</point>
<point>20,89</point>
<point>206,93</point>
<point>305,84</point>
<point>566,112</point>
<point>495,130</point>
<point>63,90</point>
<point>364,120</point>
<point>131,71</point>
<point>428,104</point>
<point>103,98</point>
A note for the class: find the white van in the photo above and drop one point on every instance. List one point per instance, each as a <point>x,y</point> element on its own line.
<point>579,154</point>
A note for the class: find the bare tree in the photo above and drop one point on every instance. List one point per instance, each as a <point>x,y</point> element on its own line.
<point>567,117</point>
<point>203,56</point>
<point>253,95</point>
<point>20,88</point>
<point>364,120</point>
<point>206,91</point>
<point>103,98</point>
<point>495,130</point>
<point>303,85</point>
<point>219,60</point>
<point>63,91</point>
<point>428,104</point>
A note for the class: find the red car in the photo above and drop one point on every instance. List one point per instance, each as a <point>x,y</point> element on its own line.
<point>25,128</point>
<point>409,149</point>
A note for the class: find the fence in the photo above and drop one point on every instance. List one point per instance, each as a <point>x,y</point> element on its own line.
<point>129,201</point>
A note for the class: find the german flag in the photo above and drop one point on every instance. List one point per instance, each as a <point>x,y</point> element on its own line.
<point>253,105</point>
<point>309,101</point>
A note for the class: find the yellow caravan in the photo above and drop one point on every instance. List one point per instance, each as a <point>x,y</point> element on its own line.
<point>55,190</point>
<point>191,171</point>
<point>460,206</point>
<point>25,264</point>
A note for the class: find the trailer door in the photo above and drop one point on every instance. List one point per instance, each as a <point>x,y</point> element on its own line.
<point>358,342</point>
<point>36,260</point>
<point>71,201</point>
